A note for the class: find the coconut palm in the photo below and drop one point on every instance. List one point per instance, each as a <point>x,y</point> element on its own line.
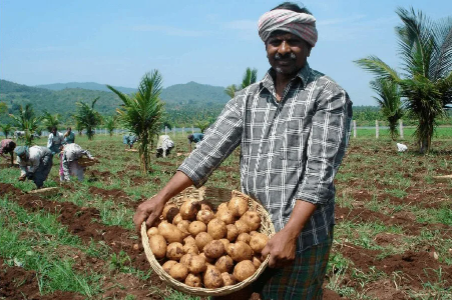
<point>26,121</point>
<point>249,78</point>
<point>141,113</point>
<point>79,127</point>
<point>50,120</point>
<point>88,117</point>
<point>389,101</point>
<point>110,124</point>
<point>6,129</point>
<point>230,90</point>
<point>426,84</point>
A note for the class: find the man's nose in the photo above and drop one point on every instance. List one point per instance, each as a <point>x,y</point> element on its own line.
<point>284,48</point>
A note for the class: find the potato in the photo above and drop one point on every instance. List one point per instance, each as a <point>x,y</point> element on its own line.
<point>222,206</point>
<point>189,240</point>
<point>244,270</point>
<point>205,215</point>
<point>232,233</point>
<point>168,265</point>
<point>217,229</point>
<point>202,239</point>
<point>214,249</point>
<point>208,260</point>
<point>193,280</point>
<point>212,278</point>
<point>157,243</point>
<point>195,263</point>
<point>170,232</point>
<point>206,205</point>
<point>177,219</point>
<point>152,231</point>
<point>253,219</point>
<point>238,206</point>
<point>171,214</point>
<point>252,233</point>
<point>183,227</point>
<point>190,248</point>
<point>196,227</point>
<point>189,209</point>
<point>225,242</point>
<point>239,251</point>
<point>258,242</point>
<point>224,264</point>
<point>242,226</point>
<point>166,209</point>
<point>179,272</point>
<point>228,279</point>
<point>185,259</point>
<point>226,216</point>
<point>256,262</point>
<point>174,251</point>
<point>244,237</point>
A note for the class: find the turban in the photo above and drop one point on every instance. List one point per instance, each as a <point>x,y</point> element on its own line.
<point>21,150</point>
<point>299,24</point>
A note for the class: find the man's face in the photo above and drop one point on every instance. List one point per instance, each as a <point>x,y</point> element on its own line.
<point>23,156</point>
<point>54,131</point>
<point>69,130</point>
<point>287,53</point>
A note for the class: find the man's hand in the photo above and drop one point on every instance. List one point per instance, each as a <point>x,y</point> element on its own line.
<point>281,248</point>
<point>22,177</point>
<point>149,211</point>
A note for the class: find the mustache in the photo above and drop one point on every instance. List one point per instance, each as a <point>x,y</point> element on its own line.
<point>291,56</point>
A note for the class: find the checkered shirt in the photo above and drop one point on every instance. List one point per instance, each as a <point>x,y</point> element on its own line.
<point>290,150</point>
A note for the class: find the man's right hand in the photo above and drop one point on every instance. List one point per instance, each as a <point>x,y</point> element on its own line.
<point>149,211</point>
<point>22,178</point>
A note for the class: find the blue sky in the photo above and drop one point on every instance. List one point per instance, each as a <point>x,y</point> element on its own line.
<point>210,42</point>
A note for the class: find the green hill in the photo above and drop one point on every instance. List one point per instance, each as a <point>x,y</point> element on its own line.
<point>84,85</point>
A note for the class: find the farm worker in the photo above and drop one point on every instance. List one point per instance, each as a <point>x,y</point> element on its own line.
<point>293,127</point>
<point>7,146</point>
<point>55,140</point>
<point>129,140</point>
<point>164,146</point>
<point>69,136</point>
<point>195,138</point>
<point>70,154</point>
<point>35,163</point>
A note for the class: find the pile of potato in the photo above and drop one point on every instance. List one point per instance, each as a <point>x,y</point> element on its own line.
<point>203,248</point>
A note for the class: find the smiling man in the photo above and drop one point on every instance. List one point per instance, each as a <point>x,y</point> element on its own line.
<point>293,128</point>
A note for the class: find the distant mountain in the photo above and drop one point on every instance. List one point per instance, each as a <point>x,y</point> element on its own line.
<point>185,103</point>
<point>86,86</point>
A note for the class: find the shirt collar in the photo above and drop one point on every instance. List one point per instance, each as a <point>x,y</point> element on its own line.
<point>304,74</point>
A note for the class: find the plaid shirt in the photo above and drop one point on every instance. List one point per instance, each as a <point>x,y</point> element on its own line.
<point>290,150</point>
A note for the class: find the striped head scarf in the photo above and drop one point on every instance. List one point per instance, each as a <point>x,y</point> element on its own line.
<point>21,150</point>
<point>299,24</point>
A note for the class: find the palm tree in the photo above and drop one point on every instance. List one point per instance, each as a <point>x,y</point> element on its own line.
<point>50,120</point>
<point>26,121</point>
<point>389,101</point>
<point>79,127</point>
<point>88,117</point>
<point>6,129</point>
<point>141,113</point>
<point>203,124</point>
<point>426,85</point>
<point>249,78</point>
<point>110,124</point>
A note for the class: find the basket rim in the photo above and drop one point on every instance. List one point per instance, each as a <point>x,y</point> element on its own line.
<point>165,277</point>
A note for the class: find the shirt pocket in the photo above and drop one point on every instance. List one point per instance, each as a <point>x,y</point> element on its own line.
<point>293,141</point>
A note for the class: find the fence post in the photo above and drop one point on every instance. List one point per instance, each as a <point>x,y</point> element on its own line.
<point>166,130</point>
<point>401,128</point>
<point>174,131</point>
<point>354,128</point>
<point>377,130</point>
<point>183,130</point>
<point>192,129</point>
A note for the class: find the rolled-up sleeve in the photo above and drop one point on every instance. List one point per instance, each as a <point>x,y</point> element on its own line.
<point>219,141</point>
<point>326,145</point>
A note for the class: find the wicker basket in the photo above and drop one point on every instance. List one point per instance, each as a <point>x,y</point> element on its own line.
<point>266,228</point>
<point>86,162</point>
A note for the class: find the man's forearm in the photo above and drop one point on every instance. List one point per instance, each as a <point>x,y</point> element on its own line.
<point>177,184</point>
<point>300,216</point>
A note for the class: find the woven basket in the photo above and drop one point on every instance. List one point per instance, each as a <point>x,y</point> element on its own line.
<point>86,162</point>
<point>266,227</point>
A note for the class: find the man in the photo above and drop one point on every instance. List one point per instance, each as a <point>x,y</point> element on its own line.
<point>69,136</point>
<point>55,140</point>
<point>164,146</point>
<point>195,138</point>
<point>35,163</point>
<point>293,127</point>
<point>7,146</point>
<point>129,140</point>
<point>69,165</point>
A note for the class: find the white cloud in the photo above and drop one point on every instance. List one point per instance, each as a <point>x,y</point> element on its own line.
<point>174,31</point>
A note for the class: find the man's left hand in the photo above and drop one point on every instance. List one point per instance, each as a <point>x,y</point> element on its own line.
<point>281,248</point>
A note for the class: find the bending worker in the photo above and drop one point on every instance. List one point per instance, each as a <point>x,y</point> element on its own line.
<point>7,146</point>
<point>35,163</point>
<point>195,138</point>
<point>164,146</point>
<point>293,127</point>
<point>129,139</point>
<point>70,154</point>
